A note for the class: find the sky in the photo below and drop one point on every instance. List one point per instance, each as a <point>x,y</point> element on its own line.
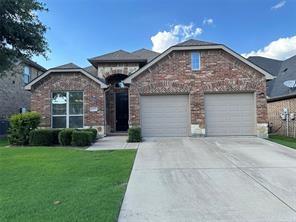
<point>81,29</point>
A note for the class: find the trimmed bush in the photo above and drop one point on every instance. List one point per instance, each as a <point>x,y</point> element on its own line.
<point>55,136</point>
<point>134,135</point>
<point>20,127</point>
<point>44,137</point>
<point>82,138</point>
<point>65,137</point>
<point>94,133</point>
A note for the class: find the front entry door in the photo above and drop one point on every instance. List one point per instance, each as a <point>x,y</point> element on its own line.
<point>121,112</point>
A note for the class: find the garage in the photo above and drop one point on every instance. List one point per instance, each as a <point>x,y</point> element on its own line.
<point>230,114</point>
<point>166,115</point>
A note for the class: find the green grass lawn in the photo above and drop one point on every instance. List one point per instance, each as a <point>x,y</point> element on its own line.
<point>286,141</point>
<point>62,184</point>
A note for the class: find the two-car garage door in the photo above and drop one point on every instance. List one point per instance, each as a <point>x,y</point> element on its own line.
<point>226,115</point>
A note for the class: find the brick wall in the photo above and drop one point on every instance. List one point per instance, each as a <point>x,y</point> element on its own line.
<point>278,125</point>
<point>93,97</point>
<point>12,93</point>
<point>220,72</point>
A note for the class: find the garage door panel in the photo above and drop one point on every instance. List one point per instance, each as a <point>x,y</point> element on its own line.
<point>165,115</point>
<point>230,114</point>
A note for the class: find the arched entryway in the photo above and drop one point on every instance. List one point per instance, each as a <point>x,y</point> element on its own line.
<point>116,104</point>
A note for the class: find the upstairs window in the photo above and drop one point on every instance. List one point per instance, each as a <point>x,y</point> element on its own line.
<point>26,75</point>
<point>195,61</point>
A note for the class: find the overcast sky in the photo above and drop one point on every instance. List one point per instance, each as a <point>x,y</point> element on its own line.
<point>80,29</point>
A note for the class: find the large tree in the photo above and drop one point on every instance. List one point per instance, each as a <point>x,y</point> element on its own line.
<point>21,31</point>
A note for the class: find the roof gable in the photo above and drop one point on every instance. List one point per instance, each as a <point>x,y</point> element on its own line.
<point>198,45</point>
<point>67,68</point>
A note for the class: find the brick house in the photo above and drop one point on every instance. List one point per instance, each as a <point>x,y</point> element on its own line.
<point>13,96</point>
<point>281,92</point>
<point>193,88</point>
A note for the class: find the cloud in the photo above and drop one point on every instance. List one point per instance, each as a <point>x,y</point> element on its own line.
<point>278,5</point>
<point>177,33</point>
<point>208,21</point>
<point>282,48</point>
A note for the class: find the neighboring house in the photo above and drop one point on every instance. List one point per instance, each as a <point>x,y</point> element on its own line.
<point>193,88</point>
<point>14,98</point>
<point>279,95</point>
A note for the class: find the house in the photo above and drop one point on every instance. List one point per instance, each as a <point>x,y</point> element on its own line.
<point>14,98</point>
<point>281,92</point>
<point>194,88</point>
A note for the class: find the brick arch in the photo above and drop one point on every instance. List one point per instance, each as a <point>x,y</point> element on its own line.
<point>164,87</point>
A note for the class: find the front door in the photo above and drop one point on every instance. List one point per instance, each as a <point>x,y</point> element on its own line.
<point>121,111</point>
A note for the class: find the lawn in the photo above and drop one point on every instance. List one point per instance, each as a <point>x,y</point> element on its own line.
<point>62,184</point>
<point>286,141</point>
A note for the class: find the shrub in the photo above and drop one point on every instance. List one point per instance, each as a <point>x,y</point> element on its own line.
<point>44,137</point>
<point>81,138</point>
<point>20,127</point>
<point>134,135</point>
<point>94,133</point>
<point>65,137</point>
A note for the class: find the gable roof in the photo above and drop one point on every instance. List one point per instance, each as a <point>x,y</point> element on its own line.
<point>117,56</point>
<point>283,70</point>
<point>193,44</point>
<point>145,54</point>
<point>66,68</point>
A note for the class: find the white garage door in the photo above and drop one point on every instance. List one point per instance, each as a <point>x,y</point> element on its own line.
<point>165,115</point>
<point>230,114</point>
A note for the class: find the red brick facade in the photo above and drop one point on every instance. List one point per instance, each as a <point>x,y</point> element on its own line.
<point>278,125</point>
<point>220,72</point>
<point>93,97</point>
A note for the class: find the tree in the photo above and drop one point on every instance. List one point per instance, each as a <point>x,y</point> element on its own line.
<point>21,31</point>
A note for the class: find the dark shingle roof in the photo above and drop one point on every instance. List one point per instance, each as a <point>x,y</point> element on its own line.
<point>283,70</point>
<point>92,70</point>
<point>270,65</point>
<point>117,56</point>
<point>194,42</point>
<point>67,66</point>
<point>145,54</point>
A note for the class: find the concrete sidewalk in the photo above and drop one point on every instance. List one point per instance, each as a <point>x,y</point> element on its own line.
<point>113,143</point>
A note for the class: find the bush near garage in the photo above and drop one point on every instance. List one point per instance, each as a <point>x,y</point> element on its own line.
<point>134,135</point>
<point>20,127</point>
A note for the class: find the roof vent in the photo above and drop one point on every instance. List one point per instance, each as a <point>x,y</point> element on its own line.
<point>290,83</point>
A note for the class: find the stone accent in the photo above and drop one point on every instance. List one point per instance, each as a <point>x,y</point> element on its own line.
<point>277,125</point>
<point>93,97</point>
<point>13,96</point>
<point>197,131</point>
<point>107,69</point>
<point>262,130</point>
<point>220,72</point>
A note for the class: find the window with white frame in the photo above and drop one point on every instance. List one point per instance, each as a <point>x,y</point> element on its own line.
<point>26,75</point>
<point>67,109</point>
<point>195,61</point>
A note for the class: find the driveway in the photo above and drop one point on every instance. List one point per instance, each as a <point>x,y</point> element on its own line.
<point>211,179</point>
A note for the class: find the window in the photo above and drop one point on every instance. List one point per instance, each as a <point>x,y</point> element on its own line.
<point>26,75</point>
<point>67,109</point>
<point>195,61</point>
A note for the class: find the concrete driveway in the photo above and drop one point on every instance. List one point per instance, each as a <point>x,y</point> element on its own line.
<point>211,179</point>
